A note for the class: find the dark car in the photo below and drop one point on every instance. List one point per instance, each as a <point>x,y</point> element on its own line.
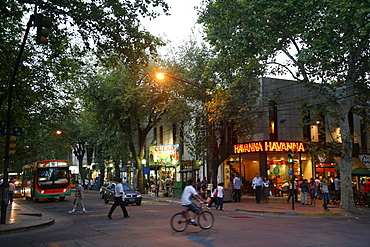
<point>132,196</point>
<point>103,188</point>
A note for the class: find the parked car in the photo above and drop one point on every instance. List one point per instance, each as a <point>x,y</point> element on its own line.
<point>103,188</point>
<point>132,196</point>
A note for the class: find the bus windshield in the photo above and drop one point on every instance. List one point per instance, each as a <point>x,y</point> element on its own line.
<point>48,178</point>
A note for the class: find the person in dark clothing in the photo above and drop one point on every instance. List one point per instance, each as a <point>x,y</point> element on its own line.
<point>119,198</point>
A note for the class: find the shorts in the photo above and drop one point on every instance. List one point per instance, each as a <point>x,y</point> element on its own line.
<point>194,208</point>
<point>78,201</point>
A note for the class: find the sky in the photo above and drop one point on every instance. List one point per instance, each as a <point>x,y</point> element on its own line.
<point>178,26</point>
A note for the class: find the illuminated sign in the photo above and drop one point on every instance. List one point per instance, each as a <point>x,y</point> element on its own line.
<point>42,164</point>
<point>164,155</point>
<point>268,146</point>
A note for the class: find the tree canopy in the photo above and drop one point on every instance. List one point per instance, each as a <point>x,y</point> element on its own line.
<point>325,42</point>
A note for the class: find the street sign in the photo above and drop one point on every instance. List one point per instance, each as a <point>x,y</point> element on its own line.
<point>16,131</point>
<point>290,172</point>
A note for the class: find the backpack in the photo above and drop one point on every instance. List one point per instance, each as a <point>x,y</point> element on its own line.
<point>215,193</point>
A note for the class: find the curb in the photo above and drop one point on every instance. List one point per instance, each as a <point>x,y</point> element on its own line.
<point>289,213</point>
<point>50,221</point>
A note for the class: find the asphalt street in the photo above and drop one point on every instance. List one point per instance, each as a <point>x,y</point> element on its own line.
<point>149,225</point>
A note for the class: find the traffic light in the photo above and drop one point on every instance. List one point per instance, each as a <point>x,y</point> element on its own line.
<point>290,156</point>
<point>42,23</point>
<point>12,145</point>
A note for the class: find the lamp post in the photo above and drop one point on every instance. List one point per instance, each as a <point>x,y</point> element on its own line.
<point>161,76</point>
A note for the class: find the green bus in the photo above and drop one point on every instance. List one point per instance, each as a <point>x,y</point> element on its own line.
<point>46,179</point>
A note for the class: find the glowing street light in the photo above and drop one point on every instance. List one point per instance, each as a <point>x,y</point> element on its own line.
<point>161,76</point>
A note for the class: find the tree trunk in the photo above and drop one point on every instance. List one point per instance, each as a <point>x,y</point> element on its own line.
<point>346,162</point>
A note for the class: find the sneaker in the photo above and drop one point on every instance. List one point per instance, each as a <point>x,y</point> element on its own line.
<point>128,216</point>
<point>192,221</point>
<point>208,208</point>
<point>71,212</point>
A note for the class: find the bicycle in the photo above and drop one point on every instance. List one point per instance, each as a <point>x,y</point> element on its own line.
<point>180,221</point>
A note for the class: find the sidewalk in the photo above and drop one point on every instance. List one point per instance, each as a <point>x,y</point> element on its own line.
<point>19,218</point>
<point>279,205</point>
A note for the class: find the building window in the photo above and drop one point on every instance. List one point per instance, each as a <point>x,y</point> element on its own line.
<point>273,120</point>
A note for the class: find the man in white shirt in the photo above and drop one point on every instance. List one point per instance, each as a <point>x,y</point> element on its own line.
<point>11,189</point>
<point>119,199</point>
<point>188,192</point>
<point>238,188</point>
<point>257,185</point>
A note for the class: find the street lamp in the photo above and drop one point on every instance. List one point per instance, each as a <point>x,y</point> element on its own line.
<point>161,76</point>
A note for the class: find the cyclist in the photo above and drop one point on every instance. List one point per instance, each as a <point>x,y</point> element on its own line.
<point>189,191</point>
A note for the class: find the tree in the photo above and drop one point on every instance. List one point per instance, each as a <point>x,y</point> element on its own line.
<point>324,41</point>
<point>132,102</point>
<point>49,74</point>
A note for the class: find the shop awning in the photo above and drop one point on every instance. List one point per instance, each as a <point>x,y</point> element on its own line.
<point>360,171</point>
<point>358,163</point>
<point>189,170</point>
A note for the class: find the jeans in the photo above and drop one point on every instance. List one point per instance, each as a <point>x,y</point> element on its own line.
<point>258,193</point>
<point>220,203</point>
<point>238,195</point>
<point>213,200</point>
<point>326,200</point>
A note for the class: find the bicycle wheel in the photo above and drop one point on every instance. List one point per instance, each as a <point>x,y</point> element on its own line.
<point>179,222</point>
<point>205,220</point>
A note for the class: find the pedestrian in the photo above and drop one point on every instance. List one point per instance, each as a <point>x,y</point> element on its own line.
<point>11,189</point>
<point>237,188</point>
<point>304,192</point>
<point>213,198</point>
<point>119,200</point>
<point>325,193</point>
<point>220,197</point>
<point>79,196</point>
<point>293,190</point>
<point>318,184</point>
<point>257,185</point>
<point>367,186</point>
<point>204,185</point>
<point>168,185</point>
<point>313,191</point>
<point>363,185</point>
<point>336,189</point>
<point>266,188</point>
<point>298,187</point>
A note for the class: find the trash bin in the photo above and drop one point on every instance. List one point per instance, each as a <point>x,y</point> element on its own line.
<point>178,187</point>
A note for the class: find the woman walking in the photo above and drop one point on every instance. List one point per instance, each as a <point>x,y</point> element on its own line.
<point>266,188</point>
<point>313,191</point>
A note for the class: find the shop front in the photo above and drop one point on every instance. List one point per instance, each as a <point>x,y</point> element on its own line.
<point>163,164</point>
<point>270,159</point>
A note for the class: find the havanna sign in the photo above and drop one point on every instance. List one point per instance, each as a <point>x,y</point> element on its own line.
<point>268,146</point>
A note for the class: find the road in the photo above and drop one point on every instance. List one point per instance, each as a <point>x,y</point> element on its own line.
<point>149,226</point>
